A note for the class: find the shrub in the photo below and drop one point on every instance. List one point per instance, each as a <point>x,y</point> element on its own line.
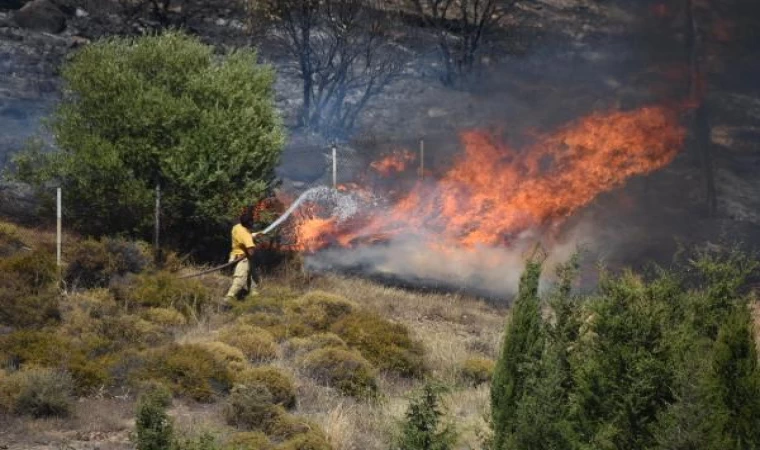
<point>10,240</point>
<point>230,356</point>
<point>154,428</point>
<point>251,407</point>
<point>256,343</point>
<point>23,309</point>
<point>345,370</point>
<point>313,439</point>
<point>319,310</point>
<point>298,346</point>
<point>477,371</point>
<point>33,347</point>
<point>386,344</point>
<point>277,383</point>
<point>166,317</point>
<point>268,321</point>
<point>164,290</point>
<point>128,330</point>
<point>35,271</point>
<point>39,392</point>
<point>249,440</point>
<point>92,263</point>
<point>287,426</point>
<point>423,428</point>
<point>188,370</point>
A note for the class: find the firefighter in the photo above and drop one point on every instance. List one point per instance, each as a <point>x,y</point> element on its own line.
<point>243,246</point>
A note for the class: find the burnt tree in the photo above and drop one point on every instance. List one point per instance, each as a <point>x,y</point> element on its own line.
<point>344,51</point>
<point>460,27</point>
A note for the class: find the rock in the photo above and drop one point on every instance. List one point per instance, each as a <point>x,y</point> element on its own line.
<point>41,15</point>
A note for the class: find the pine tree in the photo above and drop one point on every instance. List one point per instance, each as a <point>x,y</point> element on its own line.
<point>423,428</point>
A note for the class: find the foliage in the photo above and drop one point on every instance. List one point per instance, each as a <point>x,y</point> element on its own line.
<point>279,385</point>
<point>232,357</point>
<point>298,346</point>
<point>165,317</point>
<point>520,350</point>
<point>27,290</point>
<point>37,392</point>
<point>319,310</point>
<point>475,371</point>
<point>256,343</point>
<point>248,440</point>
<point>10,239</point>
<point>344,370</point>
<point>251,407</point>
<point>154,428</point>
<point>160,110</point>
<point>423,428</point>
<point>188,370</point>
<point>387,345</point>
<point>312,439</point>
<point>275,324</point>
<point>164,290</point>
<point>92,263</point>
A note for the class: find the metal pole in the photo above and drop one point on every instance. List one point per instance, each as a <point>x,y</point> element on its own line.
<point>157,229</point>
<point>58,227</point>
<point>422,159</point>
<point>335,167</point>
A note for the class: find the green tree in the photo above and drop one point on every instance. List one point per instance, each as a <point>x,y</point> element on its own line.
<point>154,428</point>
<point>423,428</point>
<point>520,353</point>
<point>160,110</point>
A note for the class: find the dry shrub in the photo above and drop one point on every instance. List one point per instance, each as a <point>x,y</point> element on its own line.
<point>314,439</point>
<point>268,321</point>
<point>251,407</point>
<point>295,347</point>
<point>386,344</point>
<point>35,270</point>
<point>27,290</point>
<point>129,330</point>
<point>279,384</point>
<point>248,440</point>
<point>93,263</point>
<point>165,317</point>
<point>476,371</point>
<point>37,392</point>
<point>10,239</point>
<point>271,300</point>
<point>164,290</point>
<point>188,370</point>
<point>318,310</point>
<point>344,370</point>
<point>256,343</point>
<point>230,356</point>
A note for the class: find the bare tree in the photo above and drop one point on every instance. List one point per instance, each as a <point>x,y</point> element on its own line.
<point>173,13</point>
<point>461,27</point>
<point>343,50</point>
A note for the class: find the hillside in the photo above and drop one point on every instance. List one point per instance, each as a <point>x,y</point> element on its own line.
<point>451,330</point>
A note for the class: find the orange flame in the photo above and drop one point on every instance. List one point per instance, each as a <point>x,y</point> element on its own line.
<point>493,192</point>
<point>394,162</point>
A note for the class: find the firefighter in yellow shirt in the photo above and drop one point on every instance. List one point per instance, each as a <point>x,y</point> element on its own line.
<point>242,249</point>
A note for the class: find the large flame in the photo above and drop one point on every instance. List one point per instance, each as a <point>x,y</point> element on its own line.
<point>493,192</point>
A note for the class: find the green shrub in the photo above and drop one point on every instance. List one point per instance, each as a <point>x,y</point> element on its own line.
<point>188,370</point>
<point>164,290</point>
<point>35,271</point>
<point>249,440</point>
<point>312,439</point>
<point>319,310</point>
<point>423,428</point>
<point>387,345</point>
<point>251,407</point>
<point>22,309</point>
<point>39,392</point>
<point>344,370</point>
<point>165,317</point>
<point>287,426</point>
<point>232,357</point>
<point>272,323</point>
<point>10,239</point>
<point>154,428</point>
<point>256,343</point>
<point>92,263</point>
<point>477,371</point>
<point>128,330</point>
<point>298,346</point>
<point>277,383</point>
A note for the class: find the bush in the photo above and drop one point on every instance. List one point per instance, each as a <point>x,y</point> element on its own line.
<point>256,343</point>
<point>164,290</point>
<point>423,428</point>
<point>232,357</point>
<point>477,371</point>
<point>319,310</point>
<point>38,392</point>
<point>188,370</point>
<point>165,317</point>
<point>160,109</point>
<point>387,345</point>
<point>344,370</point>
<point>27,290</point>
<point>251,407</point>
<point>298,346</point>
<point>313,439</point>
<point>92,263</point>
<point>249,440</point>
<point>10,240</point>
<point>128,330</point>
<point>35,271</point>
<point>277,383</point>
<point>154,428</point>
<point>267,321</point>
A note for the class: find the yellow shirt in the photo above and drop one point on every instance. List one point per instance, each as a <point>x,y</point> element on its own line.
<point>241,239</point>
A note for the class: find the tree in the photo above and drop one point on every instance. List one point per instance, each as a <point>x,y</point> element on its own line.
<point>160,110</point>
<point>460,27</point>
<point>423,428</point>
<point>343,51</point>
<point>520,353</point>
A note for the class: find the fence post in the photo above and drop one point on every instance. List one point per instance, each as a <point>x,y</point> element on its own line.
<point>156,231</point>
<point>58,236</point>
<point>422,159</point>
<point>335,167</point>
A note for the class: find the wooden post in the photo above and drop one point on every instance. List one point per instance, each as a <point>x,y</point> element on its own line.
<point>58,236</point>
<point>422,159</point>
<point>156,231</point>
<point>335,167</point>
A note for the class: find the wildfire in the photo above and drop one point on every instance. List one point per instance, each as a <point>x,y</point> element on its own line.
<point>394,162</point>
<point>493,193</point>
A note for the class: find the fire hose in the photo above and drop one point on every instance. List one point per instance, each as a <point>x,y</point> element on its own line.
<point>266,230</point>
